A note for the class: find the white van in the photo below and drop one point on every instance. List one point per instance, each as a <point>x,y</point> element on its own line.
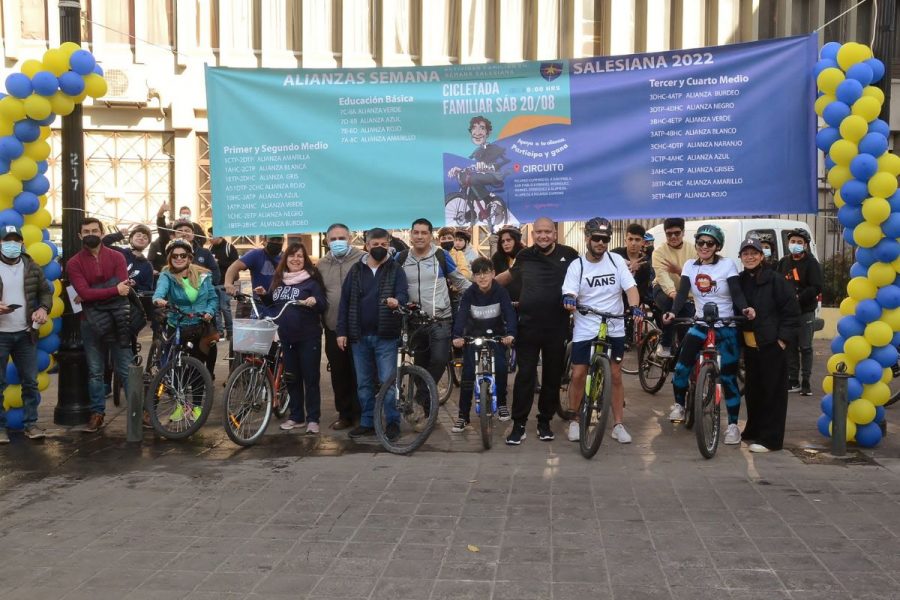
<point>737,230</point>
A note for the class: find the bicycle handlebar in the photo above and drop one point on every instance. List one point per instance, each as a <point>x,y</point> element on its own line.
<point>585,310</point>
<point>726,321</point>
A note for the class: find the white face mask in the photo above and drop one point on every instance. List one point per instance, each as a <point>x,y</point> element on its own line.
<point>767,252</point>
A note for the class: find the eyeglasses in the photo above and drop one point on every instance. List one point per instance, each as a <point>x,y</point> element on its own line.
<point>674,233</point>
<point>706,244</point>
<point>600,238</point>
<point>179,256</point>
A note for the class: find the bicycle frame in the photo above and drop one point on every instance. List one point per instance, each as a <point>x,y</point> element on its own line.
<point>485,368</point>
<point>709,354</point>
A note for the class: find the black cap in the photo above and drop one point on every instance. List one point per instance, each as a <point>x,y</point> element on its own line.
<point>751,243</point>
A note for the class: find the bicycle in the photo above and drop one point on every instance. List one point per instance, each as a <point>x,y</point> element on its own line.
<point>704,390</point>
<point>404,427</point>
<point>485,383</point>
<point>465,208</point>
<point>118,385</point>
<point>180,394</point>
<point>637,328</point>
<point>450,378</point>
<point>252,389</point>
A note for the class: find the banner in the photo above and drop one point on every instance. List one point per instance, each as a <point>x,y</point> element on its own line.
<point>724,130</point>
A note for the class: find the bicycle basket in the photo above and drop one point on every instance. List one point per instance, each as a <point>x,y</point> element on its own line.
<point>252,336</point>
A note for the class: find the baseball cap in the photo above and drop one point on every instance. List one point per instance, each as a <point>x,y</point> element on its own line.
<point>8,230</point>
<point>751,243</point>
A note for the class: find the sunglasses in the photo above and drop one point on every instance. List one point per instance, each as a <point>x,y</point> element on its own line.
<point>674,233</point>
<point>600,238</point>
<point>179,255</point>
<point>706,244</point>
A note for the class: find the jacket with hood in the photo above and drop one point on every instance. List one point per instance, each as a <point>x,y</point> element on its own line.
<point>427,287</point>
<point>168,288</point>
<point>334,271</point>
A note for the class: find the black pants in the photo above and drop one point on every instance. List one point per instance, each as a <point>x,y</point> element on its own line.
<point>800,350</point>
<point>664,304</point>
<point>432,347</point>
<point>343,378</point>
<point>766,395</point>
<point>550,347</point>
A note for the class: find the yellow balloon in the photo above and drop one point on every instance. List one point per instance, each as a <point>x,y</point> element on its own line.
<point>42,200</point>
<point>866,107</point>
<point>827,384</point>
<point>853,128</point>
<point>31,235</point>
<point>861,411</point>
<point>876,210</point>
<point>56,309</point>
<point>12,396</point>
<point>95,85</point>
<point>829,79</point>
<point>6,127</point>
<point>877,393</point>
<point>52,362</point>
<point>843,151</point>
<point>838,176</point>
<point>882,184</point>
<point>80,97</point>
<point>45,329</point>
<point>851,429</point>
<point>31,66</point>
<point>891,316</point>
<point>836,359</point>
<point>43,381</point>
<point>889,163</point>
<point>886,375</point>
<point>12,109</point>
<point>37,150</point>
<point>822,102</point>
<point>56,61</point>
<point>68,48</point>
<point>852,53</point>
<point>38,107</point>
<point>857,348</point>
<point>57,287</point>
<point>5,202</point>
<point>878,333</point>
<point>41,219</point>
<point>62,104</point>
<point>41,253</point>
<point>872,91</point>
<point>867,235</point>
<point>882,274</point>
<point>45,132</point>
<point>10,186</point>
<point>848,306</point>
<point>24,168</point>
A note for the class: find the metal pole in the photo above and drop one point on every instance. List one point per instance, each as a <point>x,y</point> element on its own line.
<point>883,48</point>
<point>135,403</point>
<point>73,403</point>
<point>839,411</point>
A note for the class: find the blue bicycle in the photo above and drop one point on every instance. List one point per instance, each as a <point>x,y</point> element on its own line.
<point>485,384</point>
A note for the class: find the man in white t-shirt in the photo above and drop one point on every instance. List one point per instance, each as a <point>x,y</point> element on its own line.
<point>597,280</point>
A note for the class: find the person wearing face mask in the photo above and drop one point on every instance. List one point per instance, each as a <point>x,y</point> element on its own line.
<point>765,340</point>
<point>261,262</point>
<point>447,241</point>
<point>366,323</point>
<point>334,267</point>
<point>25,300</point>
<point>225,254</point>
<point>99,276</point>
<point>805,273</point>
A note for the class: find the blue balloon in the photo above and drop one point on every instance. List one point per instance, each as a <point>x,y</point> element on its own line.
<point>888,296</point>
<point>857,270</point>
<point>57,325</point>
<point>43,360</point>
<point>826,136</point>
<point>854,192</point>
<point>45,83</point>
<point>850,215</point>
<point>848,236</point>
<point>10,147</point>
<point>27,130</point>
<point>865,257</point>
<point>879,414</point>
<point>877,69</point>
<point>26,203</point>
<point>43,165</point>
<point>868,310</point>
<point>4,166</point>
<point>868,371</point>
<point>82,62</point>
<point>12,374</point>
<point>830,50</point>
<point>854,388</point>
<point>880,126</point>
<point>829,164</point>
<point>822,424</point>
<point>862,73</point>
<point>39,184</point>
<point>835,112</point>
<point>19,85</point>
<point>48,120</point>
<point>45,235</point>
<point>54,250</point>
<point>891,226</point>
<point>837,344</point>
<point>863,166</point>
<point>885,356</point>
<point>71,83</point>
<point>52,271</point>
<point>868,435</point>
<point>11,216</point>
<point>874,144</point>
<point>849,326</point>
<point>849,91</point>
<point>895,340</point>
<point>827,405</point>
<point>887,250</point>
<point>98,70</point>
<point>15,419</point>
<point>50,344</point>
<point>825,63</point>
<point>894,201</point>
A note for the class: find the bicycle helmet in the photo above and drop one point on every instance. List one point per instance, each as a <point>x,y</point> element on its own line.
<point>139,229</point>
<point>463,233</point>
<point>186,246</point>
<point>598,225</point>
<point>648,237</point>
<point>713,231</point>
<point>801,233</point>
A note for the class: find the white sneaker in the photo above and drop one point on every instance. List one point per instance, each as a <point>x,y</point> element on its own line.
<point>733,435</point>
<point>677,414</point>
<point>574,431</point>
<point>759,448</point>
<point>663,352</point>
<point>291,424</point>
<point>619,433</point>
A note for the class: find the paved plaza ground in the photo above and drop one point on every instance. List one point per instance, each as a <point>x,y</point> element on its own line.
<point>93,517</point>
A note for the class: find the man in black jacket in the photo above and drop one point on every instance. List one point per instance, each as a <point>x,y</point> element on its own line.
<point>803,270</point>
<point>225,254</point>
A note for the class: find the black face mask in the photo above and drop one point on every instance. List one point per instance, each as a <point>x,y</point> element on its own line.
<point>379,253</point>
<point>448,246</point>
<point>273,248</point>
<point>90,241</point>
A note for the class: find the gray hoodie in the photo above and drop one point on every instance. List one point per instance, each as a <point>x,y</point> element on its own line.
<point>334,270</point>
<point>427,287</point>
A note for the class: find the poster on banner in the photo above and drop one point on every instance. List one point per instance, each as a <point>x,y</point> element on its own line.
<point>724,130</point>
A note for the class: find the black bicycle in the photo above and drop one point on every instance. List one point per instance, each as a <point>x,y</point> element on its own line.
<point>466,209</point>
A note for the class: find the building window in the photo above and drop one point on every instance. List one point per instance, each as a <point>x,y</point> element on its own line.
<point>34,19</point>
<point>160,22</point>
<point>119,22</point>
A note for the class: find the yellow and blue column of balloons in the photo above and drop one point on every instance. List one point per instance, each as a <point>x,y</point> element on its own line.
<point>35,96</point>
<point>863,174</point>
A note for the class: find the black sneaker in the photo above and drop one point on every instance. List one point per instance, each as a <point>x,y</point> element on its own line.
<point>360,431</point>
<point>392,431</point>
<point>503,412</point>
<point>545,434</point>
<point>516,436</point>
<point>793,388</point>
<point>459,426</point>
<point>33,432</point>
<point>805,389</point>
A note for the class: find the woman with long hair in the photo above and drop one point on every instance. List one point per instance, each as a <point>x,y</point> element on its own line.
<point>509,243</point>
<point>300,332</point>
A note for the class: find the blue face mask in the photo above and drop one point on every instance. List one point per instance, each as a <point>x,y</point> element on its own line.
<point>339,248</point>
<point>796,248</point>
<point>767,252</point>
<point>11,249</point>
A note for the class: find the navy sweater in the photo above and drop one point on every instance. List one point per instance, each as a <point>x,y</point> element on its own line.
<point>298,323</point>
<point>480,311</point>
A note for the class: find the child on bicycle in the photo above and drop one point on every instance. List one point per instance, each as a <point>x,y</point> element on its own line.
<point>484,307</point>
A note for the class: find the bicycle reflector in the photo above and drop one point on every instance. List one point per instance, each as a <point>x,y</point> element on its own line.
<point>710,312</point>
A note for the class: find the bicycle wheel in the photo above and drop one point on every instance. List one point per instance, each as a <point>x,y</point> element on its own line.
<point>563,411</point>
<point>152,359</point>
<point>631,362</point>
<point>496,213</point>
<point>689,404</point>
<point>445,385</point>
<point>180,397</point>
<point>456,210</point>
<point>486,416</point>
<point>894,385</point>
<point>282,402</point>
<point>409,416</point>
<point>652,371</point>
<point>247,403</point>
<point>595,406</point>
<point>707,411</point>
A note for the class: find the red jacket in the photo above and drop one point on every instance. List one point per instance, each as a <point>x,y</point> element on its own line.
<point>85,271</point>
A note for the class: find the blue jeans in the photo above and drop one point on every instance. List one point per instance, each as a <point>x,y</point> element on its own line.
<point>95,351</point>
<point>24,355</point>
<point>375,357</point>
<point>303,360</point>
<point>467,385</point>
